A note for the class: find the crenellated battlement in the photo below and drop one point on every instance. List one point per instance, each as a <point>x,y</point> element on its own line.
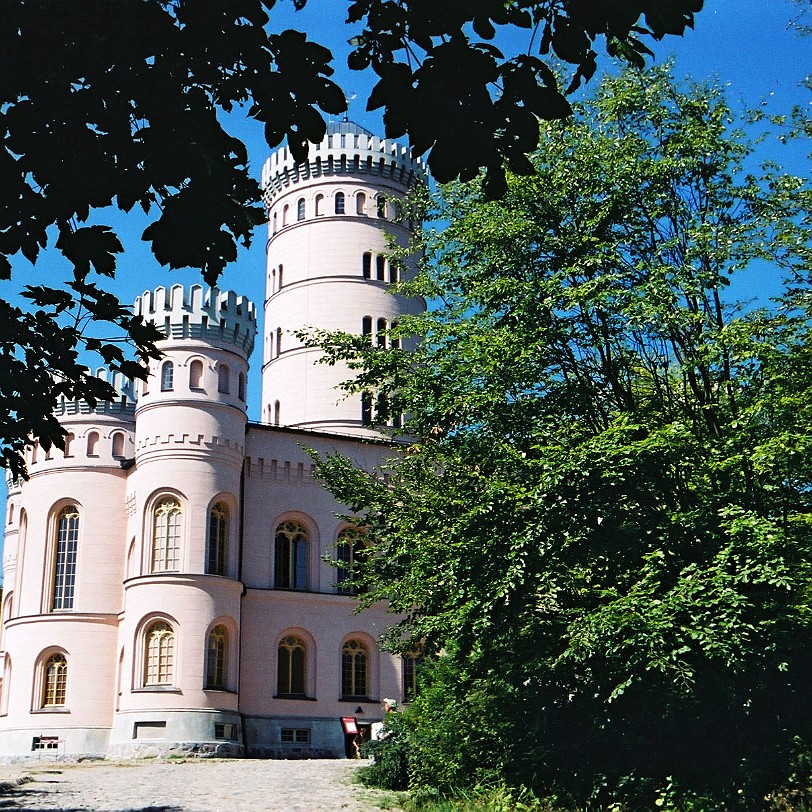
<point>123,406</point>
<point>347,149</point>
<point>217,316</point>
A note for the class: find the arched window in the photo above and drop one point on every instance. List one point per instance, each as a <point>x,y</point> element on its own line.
<point>216,658</point>
<point>223,379</point>
<point>54,681</point>
<point>11,512</point>
<point>279,277</point>
<point>278,341</point>
<point>381,331</point>
<point>300,209</point>
<point>361,203</point>
<point>319,205</point>
<point>354,661</point>
<point>366,265</point>
<point>166,528</point>
<point>290,668</point>
<point>196,374</point>
<point>366,409</point>
<point>380,205</point>
<point>65,544</point>
<point>69,438</point>
<point>393,272</point>
<point>339,200</point>
<point>159,654</point>
<point>350,550</point>
<point>366,327</point>
<point>35,448</point>
<point>410,665</point>
<point>276,413</point>
<point>380,268</point>
<point>167,376</point>
<point>274,229</point>
<point>394,341</point>
<point>241,386</point>
<point>217,558</point>
<point>290,556</point>
<point>92,444</point>
<point>118,444</point>
<point>285,211</point>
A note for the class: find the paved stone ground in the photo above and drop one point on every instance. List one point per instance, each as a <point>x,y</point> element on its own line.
<point>190,786</point>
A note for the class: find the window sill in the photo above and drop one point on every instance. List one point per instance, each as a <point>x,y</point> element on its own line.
<point>357,699</point>
<point>220,691</point>
<point>157,689</point>
<point>300,697</point>
<point>54,709</point>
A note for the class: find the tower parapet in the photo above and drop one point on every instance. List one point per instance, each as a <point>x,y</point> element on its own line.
<point>123,406</point>
<point>347,149</point>
<point>219,317</point>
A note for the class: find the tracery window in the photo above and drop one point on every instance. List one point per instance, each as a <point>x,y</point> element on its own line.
<point>217,559</point>
<point>159,654</point>
<point>54,681</point>
<point>290,670</point>
<point>216,658</point>
<point>290,556</point>
<point>166,530</point>
<point>350,550</point>
<point>354,667</point>
<point>410,662</point>
<point>65,545</point>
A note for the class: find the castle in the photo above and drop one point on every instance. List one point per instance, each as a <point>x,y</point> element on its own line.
<point>167,585</point>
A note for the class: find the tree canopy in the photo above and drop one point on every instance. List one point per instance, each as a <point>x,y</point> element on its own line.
<point>601,517</point>
<point>116,104</point>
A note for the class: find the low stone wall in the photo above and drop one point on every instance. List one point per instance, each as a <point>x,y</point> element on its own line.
<point>164,749</point>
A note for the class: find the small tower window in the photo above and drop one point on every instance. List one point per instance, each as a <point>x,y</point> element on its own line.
<point>380,205</point>
<point>273,229</point>
<point>276,412</point>
<point>300,209</point>
<point>167,376</point>
<point>279,278</point>
<point>241,387</point>
<point>278,341</point>
<point>361,203</point>
<point>339,202</point>
<point>380,268</point>
<point>69,438</point>
<point>319,205</point>
<point>196,374</point>
<point>393,272</point>
<point>366,409</point>
<point>118,444</point>
<point>366,327</point>
<point>92,444</point>
<point>366,265</point>
<point>285,211</point>
<point>381,333</point>
<point>223,379</point>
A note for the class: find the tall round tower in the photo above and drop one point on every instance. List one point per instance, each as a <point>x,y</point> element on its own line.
<point>177,682</point>
<point>62,563</point>
<point>329,221</point>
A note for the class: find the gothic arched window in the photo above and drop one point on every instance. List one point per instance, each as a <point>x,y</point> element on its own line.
<point>350,550</point>
<point>290,556</point>
<point>290,667</point>
<point>166,530</point>
<point>54,681</point>
<point>354,667</point>
<point>216,658</point>
<point>217,558</point>
<point>159,654</point>
<point>65,546</point>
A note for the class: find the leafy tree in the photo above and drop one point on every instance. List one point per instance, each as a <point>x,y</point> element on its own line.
<point>117,104</point>
<point>604,522</point>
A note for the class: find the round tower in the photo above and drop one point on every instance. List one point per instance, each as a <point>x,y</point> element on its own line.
<point>62,565</point>
<point>179,636</point>
<point>329,223</point>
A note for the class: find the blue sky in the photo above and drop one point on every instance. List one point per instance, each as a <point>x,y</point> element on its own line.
<point>747,45</point>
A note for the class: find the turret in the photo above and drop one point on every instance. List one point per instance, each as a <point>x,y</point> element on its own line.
<point>329,223</point>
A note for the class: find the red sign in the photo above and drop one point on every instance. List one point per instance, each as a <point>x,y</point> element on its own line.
<point>350,725</point>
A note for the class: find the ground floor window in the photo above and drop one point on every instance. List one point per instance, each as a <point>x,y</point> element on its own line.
<point>295,735</point>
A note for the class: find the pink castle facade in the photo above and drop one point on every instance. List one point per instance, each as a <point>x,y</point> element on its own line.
<point>167,585</point>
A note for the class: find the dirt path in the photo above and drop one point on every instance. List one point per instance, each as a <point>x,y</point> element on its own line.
<point>192,786</point>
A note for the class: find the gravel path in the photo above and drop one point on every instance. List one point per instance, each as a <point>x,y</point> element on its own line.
<point>192,786</point>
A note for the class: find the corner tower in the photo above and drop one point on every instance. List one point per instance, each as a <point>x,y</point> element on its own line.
<point>329,223</point>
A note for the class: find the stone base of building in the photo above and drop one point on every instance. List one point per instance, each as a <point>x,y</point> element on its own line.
<point>293,737</point>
